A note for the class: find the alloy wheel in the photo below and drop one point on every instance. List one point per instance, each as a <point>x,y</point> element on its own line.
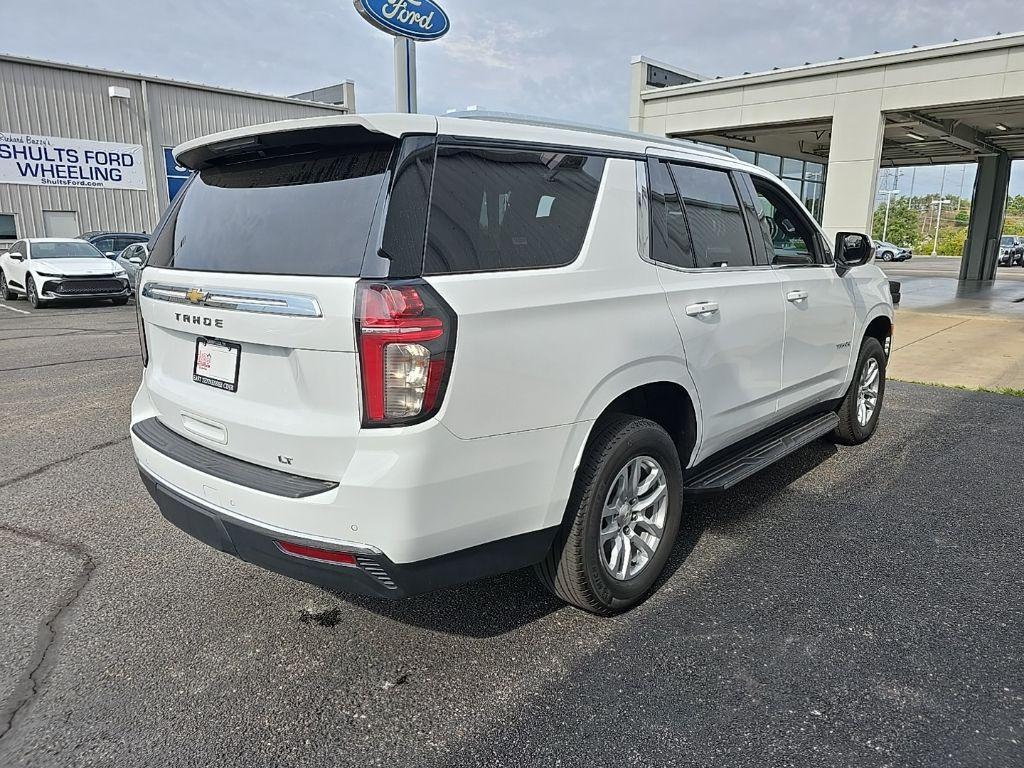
<point>867,391</point>
<point>633,518</point>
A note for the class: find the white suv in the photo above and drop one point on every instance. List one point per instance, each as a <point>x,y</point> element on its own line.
<point>387,354</point>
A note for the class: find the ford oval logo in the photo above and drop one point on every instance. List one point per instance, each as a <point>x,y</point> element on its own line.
<point>415,19</point>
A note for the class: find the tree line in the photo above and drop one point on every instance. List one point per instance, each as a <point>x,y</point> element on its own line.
<point>912,222</point>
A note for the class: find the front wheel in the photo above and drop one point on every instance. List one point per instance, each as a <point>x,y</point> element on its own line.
<point>858,413</point>
<point>120,301</point>
<point>33,294</point>
<point>621,520</point>
<point>5,289</point>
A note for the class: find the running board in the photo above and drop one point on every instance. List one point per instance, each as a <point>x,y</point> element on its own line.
<point>726,472</point>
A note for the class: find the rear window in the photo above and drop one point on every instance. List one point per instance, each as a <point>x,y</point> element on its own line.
<point>506,209</point>
<point>304,214</point>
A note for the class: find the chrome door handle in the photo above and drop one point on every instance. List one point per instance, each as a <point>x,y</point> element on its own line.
<point>702,309</point>
<point>796,296</point>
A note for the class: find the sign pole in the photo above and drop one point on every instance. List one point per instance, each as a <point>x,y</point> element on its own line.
<point>405,75</point>
<point>407,21</point>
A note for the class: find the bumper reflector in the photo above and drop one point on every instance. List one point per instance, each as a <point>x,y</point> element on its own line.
<point>315,553</point>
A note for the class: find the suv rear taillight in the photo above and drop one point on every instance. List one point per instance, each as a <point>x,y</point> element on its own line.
<point>406,337</point>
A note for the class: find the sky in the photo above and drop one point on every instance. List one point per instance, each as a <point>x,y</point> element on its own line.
<point>567,59</point>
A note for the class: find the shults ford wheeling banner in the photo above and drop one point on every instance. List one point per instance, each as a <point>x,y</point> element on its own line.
<point>48,161</point>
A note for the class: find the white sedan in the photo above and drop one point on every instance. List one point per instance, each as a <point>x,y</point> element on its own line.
<point>46,269</point>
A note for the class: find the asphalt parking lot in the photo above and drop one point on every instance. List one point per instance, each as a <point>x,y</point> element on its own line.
<point>850,607</point>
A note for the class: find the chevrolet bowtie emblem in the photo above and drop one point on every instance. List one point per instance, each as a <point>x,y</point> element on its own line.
<point>196,295</point>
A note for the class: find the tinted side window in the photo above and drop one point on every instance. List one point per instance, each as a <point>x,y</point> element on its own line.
<point>789,236</point>
<point>714,216</point>
<point>670,242</point>
<point>497,209</point>
<point>120,243</point>
<point>104,245</point>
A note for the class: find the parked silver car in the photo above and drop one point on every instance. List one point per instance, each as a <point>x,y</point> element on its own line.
<point>131,260</point>
<point>889,252</point>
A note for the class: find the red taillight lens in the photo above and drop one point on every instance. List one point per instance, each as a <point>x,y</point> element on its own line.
<point>315,553</point>
<point>406,336</point>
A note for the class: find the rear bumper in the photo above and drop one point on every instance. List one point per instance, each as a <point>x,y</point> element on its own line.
<point>373,574</point>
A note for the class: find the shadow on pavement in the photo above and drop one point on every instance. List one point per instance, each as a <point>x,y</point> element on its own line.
<point>505,603</point>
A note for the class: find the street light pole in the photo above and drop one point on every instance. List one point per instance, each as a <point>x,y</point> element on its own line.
<point>888,201</point>
<point>938,220</point>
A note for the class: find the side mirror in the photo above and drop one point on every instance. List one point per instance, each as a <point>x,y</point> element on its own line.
<point>135,260</point>
<point>111,255</point>
<point>15,256</point>
<point>853,250</point>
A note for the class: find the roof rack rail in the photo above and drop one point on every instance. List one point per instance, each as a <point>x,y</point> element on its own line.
<point>547,122</point>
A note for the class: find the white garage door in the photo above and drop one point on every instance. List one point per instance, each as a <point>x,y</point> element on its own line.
<point>60,223</point>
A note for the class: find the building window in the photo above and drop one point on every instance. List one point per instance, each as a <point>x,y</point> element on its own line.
<point>771,163</point>
<point>792,168</point>
<point>745,155</point>
<point>8,227</point>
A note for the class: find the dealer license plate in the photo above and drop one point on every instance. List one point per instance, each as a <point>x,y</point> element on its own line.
<point>217,363</point>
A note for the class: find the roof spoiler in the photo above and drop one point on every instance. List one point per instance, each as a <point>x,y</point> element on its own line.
<point>289,136</point>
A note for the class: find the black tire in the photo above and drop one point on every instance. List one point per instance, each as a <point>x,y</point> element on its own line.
<point>574,570</point>
<point>120,301</point>
<point>5,289</point>
<point>850,430</point>
<point>886,255</point>
<point>33,295</point>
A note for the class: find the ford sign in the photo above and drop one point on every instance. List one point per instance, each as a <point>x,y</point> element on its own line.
<point>415,19</point>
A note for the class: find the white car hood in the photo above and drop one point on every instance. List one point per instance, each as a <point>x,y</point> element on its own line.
<point>86,266</point>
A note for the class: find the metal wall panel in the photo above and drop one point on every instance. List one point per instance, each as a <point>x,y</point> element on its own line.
<point>54,101</point>
<point>181,114</point>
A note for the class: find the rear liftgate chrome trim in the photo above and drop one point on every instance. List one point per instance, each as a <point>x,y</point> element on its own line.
<point>259,302</point>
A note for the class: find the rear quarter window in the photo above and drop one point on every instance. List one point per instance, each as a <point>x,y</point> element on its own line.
<point>509,209</point>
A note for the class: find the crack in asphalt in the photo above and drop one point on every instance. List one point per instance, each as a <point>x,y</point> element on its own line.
<point>69,362</point>
<point>86,312</point>
<point>71,332</point>
<point>58,462</point>
<point>46,649</point>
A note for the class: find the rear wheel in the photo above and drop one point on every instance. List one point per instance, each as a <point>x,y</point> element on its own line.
<point>858,413</point>
<point>886,255</point>
<point>5,289</point>
<point>621,521</point>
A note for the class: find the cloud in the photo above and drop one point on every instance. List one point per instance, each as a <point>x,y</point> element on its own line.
<point>566,59</point>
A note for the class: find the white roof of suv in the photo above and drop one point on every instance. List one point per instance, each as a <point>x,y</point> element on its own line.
<point>473,124</point>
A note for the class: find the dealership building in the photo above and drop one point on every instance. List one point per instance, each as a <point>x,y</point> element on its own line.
<point>828,128</point>
<point>87,149</point>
